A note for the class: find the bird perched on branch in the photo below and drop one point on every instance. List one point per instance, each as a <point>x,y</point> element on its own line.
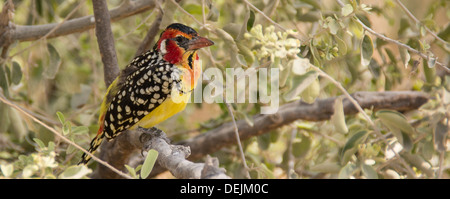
<point>153,87</point>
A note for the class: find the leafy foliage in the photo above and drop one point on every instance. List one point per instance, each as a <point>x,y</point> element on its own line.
<point>60,81</point>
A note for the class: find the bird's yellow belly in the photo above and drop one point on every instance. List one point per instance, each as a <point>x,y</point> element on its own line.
<point>164,111</point>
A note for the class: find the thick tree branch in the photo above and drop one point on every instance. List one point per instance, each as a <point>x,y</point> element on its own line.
<point>171,157</point>
<point>322,109</point>
<point>34,32</point>
<point>105,40</point>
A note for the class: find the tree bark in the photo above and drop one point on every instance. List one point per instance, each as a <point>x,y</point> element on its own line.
<point>105,40</point>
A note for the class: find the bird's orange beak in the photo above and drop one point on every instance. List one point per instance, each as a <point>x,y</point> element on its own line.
<point>199,42</point>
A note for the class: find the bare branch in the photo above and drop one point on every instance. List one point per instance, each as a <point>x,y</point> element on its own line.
<point>151,34</point>
<point>412,17</point>
<point>171,157</point>
<point>238,140</point>
<point>33,32</point>
<point>321,109</point>
<point>384,38</point>
<point>105,40</point>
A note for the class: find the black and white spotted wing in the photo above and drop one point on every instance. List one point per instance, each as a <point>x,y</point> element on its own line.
<point>143,85</point>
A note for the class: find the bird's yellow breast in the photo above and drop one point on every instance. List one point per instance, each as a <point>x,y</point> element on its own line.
<point>177,100</point>
<point>170,107</point>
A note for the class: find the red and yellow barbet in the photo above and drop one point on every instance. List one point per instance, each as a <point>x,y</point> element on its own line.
<point>153,87</point>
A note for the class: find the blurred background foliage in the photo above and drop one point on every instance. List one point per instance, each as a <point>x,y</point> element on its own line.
<point>60,82</point>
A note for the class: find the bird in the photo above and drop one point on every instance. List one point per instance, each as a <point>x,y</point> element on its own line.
<point>153,87</point>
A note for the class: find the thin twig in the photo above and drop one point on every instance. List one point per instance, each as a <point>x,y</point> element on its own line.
<point>135,28</point>
<point>291,157</point>
<point>265,16</point>
<point>54,131</point>
<point>410,49</point>
<point>186,12</point>
<point>236,131</point>
<point>411,16</point>
<point>152,32</point>
<point>51,31</point>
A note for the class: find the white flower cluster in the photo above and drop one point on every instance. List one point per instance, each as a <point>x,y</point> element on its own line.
<point>273,44</point>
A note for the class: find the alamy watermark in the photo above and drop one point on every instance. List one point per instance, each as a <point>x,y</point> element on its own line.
<point>239,85</point>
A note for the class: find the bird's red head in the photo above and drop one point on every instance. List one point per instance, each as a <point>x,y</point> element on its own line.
<point>177,39</point>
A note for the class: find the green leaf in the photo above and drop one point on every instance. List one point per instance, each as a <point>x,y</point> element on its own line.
<point>369,172</point>
<point>4,114</point>
<point>351,146</point>
<point>55,62</point>
<point>131,171</point>
<point>213,14</point>
<point>366,50</point>
<point>427,150</point>
<point>431,62</point>
<point>404,54</point>
<point>16,74</point>
<point>263,141</point>
<point>149,163</point>
<point>311,92</point>
<point>39,143</point>
<point>251,20</point>
<point>347,10</point>
<point>395,120</point>
<point>347,171</point>
<point>333,25</point>
<point>299,66</point>
<point>4,80</point>
<point>80,130</point>
<point>75,172</point>
<point>430,73</point>
<point>300,149</point>
<point>300,83</point>
<point>67,128</point>
<point>61,117</point>
<point>440,135</point>
<point>7,169</point>
<point>342,47</point>
<point>338,117</point>
<point>391,55</point>
<point>17,124</point>
<point>326,167</point>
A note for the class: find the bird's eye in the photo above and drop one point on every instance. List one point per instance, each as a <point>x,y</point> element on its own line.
<point>180,39</point>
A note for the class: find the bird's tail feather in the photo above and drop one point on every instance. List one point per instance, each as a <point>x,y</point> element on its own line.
<point>93,146</point>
